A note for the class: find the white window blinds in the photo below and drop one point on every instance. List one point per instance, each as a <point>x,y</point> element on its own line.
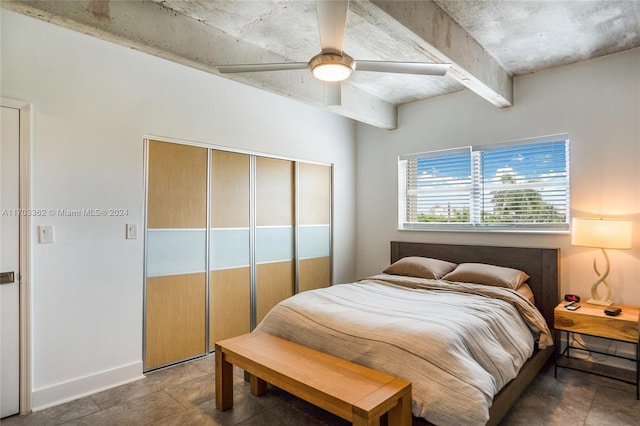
<point>439,187</point>
<point>512,186</point>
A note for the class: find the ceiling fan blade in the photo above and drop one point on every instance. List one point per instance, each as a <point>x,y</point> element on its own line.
<point>332,93</point>
<point>284,66</point>
<point>332,20</point>
<point>424,68</point>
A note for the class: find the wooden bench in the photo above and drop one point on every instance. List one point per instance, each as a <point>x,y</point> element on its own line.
<point>353,392</point>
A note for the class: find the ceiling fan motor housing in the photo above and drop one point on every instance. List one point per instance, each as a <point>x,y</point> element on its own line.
<point>327,66</point>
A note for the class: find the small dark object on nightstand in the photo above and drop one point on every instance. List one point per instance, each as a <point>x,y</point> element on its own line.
<point>571,298</point>
<point>612,311</point>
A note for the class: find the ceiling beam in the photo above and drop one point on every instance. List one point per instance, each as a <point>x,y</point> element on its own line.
<point>154,29</point>
<point>447,42</point>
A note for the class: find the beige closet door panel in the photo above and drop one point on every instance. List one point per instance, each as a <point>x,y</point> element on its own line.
<point>177,188</point>
<point>230,189</point>
<point>314,194</point>
<point>175,326</point>
<point>314,273</point>
<point>275,282</point>
<point>274,192</point>
<point>230,303</point>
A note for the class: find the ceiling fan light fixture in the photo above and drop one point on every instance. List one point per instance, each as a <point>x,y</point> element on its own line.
<point>332,66</point>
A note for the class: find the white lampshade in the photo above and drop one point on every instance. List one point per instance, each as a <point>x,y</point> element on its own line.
<point>602,233</point>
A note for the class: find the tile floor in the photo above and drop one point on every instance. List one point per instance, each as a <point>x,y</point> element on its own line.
<point>184,395</point>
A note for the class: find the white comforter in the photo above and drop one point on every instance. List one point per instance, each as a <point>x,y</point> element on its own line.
<point>458,348</point>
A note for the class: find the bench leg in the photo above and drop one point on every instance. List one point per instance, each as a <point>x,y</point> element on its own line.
<point>257,386</point>
<point>400,415</point>
<point>365,421</point>
<point>224,381</point>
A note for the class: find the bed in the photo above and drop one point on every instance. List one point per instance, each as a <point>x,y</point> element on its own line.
<point>468,349</point>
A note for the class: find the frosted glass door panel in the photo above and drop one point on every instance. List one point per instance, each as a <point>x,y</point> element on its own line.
<point>274,244</point>
<point>175,251</point>
<point>229,248</point>
<point>314,241</point>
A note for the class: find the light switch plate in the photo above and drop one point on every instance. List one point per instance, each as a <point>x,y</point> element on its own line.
<point>132,231</point>
<point>45,234</point>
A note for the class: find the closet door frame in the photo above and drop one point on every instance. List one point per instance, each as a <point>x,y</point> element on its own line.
<point>209,346</point>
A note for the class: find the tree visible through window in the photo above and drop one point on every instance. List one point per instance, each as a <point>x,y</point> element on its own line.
<point>518,185</point>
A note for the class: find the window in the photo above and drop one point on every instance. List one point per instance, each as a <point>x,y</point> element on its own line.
<point>513,186</point>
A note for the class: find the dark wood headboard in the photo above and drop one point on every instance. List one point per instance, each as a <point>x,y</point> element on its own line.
<point>541,264</point>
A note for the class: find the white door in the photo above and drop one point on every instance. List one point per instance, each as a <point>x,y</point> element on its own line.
<point>9,262</point>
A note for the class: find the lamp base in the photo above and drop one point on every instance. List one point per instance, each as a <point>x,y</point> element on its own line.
<point>599,302</point>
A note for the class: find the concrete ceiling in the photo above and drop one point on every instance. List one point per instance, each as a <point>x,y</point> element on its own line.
<point>487,42</point>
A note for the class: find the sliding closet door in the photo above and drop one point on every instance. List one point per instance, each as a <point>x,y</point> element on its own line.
<point>274,245</point>
<point>229,235</point>
<point>314,226</point>
<point>175,310</point>
<point>230,275</point>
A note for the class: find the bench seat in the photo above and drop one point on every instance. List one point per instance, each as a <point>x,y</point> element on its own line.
<point>355,393</point>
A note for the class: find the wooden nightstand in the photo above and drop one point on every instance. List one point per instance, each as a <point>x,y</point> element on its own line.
<point>591,320</point>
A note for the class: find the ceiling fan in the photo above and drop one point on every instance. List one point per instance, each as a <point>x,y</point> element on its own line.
<point>332,65</point>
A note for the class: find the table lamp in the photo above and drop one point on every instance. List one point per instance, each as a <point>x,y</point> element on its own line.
<point>604,234</point>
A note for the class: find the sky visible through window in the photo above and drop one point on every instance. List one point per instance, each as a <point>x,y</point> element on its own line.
<point>524,182</point>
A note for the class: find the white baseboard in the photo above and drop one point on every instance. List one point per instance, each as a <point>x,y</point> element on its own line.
<point>73,389</point>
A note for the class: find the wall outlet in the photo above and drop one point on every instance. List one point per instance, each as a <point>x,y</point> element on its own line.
<point>132,231</point>
<point>45,234</point>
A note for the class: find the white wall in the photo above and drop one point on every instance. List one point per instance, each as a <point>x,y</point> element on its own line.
<point>92,103</point>
<point>597,102</point>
